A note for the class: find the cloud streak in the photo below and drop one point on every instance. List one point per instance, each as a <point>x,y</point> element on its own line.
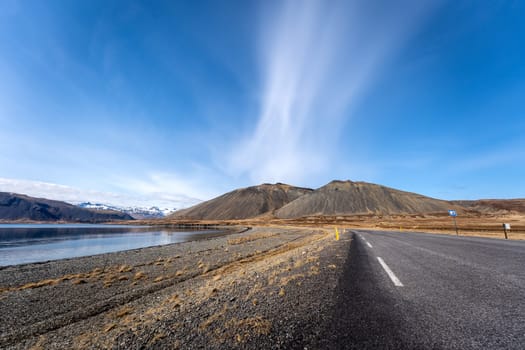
<point>317,58</point>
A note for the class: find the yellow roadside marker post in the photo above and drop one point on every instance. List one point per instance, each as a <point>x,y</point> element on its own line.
<point>336,234</point>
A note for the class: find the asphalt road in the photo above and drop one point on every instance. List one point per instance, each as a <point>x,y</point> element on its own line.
<point>442,292</point>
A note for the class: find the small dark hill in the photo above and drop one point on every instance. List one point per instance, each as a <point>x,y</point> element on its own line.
<point>347,197</point>
<point>244,203</point>
<point>18,207</point>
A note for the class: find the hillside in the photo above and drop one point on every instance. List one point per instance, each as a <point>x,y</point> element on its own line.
<point>347,197</point>
<point>244,203</point>
<point>18,207</point>
<point>494,205</point>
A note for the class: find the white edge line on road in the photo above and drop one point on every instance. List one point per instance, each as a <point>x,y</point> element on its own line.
<point>390,274</point>
<point>368,244</point>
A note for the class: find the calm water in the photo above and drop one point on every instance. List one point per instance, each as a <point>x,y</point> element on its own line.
<point>21,244</point>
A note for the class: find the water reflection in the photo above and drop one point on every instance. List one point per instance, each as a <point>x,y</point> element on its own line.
<point>33,243</point>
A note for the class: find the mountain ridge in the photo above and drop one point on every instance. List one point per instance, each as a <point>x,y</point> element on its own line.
<point>516,205</point>
<point>265,201</point>
<point>135,212</point>
<point>20,207</point>
<point>340,197</point>
<point>244,203</point>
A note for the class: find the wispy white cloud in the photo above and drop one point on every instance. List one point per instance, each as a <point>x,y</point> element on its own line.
<point>317,59</point>
<point>170,186</point>
<point>143,196</point>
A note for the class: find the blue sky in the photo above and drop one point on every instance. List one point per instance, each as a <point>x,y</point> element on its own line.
<point>152,102</point>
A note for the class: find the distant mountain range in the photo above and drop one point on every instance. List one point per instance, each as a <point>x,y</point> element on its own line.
<point>278,200</point>
<point>136,212</point>
<point>18,207</point>
<point>336,198</point>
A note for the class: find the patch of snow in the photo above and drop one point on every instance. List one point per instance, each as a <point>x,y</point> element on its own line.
<point>135,212</point>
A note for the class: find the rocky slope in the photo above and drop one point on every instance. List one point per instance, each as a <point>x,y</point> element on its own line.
<point>347,197</point>
<point>492,206</point>
<point>244,203</point>
<point>18,207</point>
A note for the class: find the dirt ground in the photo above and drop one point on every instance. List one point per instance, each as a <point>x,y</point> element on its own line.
<point>264,288</point>
<point>468,223</point>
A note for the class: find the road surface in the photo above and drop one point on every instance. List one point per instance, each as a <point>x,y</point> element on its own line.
<point>423,291</point>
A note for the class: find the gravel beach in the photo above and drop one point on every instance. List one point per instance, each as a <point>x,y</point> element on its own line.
<point>267,287</point>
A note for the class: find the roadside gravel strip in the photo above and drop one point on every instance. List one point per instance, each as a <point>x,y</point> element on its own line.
<point>263,288</point>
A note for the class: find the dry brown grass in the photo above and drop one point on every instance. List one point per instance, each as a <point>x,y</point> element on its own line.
<point>475,223</point>
<point>43,283</point>
<point>79,281</point>
<point>77,278</point>
<point>287,279</point>
<point>174,299</point>
<point>40,344</point>
<point>125,268</point>
<point>160,278</point>
<point>125,310</point>
<point>158,336</point>
<point>248,327</point>
<point>139,275</point>
<point>213,318</point>
<point>109,327</point>
<point>257,287</point>
<point>314,270</point>
<point>250,238</point>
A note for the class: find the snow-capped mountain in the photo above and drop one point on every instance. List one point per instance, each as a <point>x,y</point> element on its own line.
<point>135,212</point>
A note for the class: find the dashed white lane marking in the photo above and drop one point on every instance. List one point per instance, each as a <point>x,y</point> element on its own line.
<point>390,274</point>
<point>364,239</point>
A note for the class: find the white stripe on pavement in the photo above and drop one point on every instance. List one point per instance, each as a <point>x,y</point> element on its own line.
<point>390,274</point>
<point>364,239</point>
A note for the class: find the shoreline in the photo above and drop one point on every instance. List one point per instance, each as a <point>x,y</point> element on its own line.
<point>213,233</point>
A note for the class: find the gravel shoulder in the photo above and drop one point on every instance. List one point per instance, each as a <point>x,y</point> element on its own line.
<point>268,287</point>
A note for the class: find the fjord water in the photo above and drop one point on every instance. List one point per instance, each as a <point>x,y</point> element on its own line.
<point>21,243</point>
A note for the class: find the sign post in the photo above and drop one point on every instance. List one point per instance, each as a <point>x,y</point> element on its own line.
<point>505,228</point>
<point>454,214</point>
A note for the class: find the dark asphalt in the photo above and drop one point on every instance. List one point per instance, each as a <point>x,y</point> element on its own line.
<point>457,293</point>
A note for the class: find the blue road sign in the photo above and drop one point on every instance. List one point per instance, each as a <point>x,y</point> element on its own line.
<point>452,213</point>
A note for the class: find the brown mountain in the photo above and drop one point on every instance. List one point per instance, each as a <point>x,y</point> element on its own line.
<point>494,205</point>
<point>244,203</point>
<point>347,197</point>
<point>19,207</point>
